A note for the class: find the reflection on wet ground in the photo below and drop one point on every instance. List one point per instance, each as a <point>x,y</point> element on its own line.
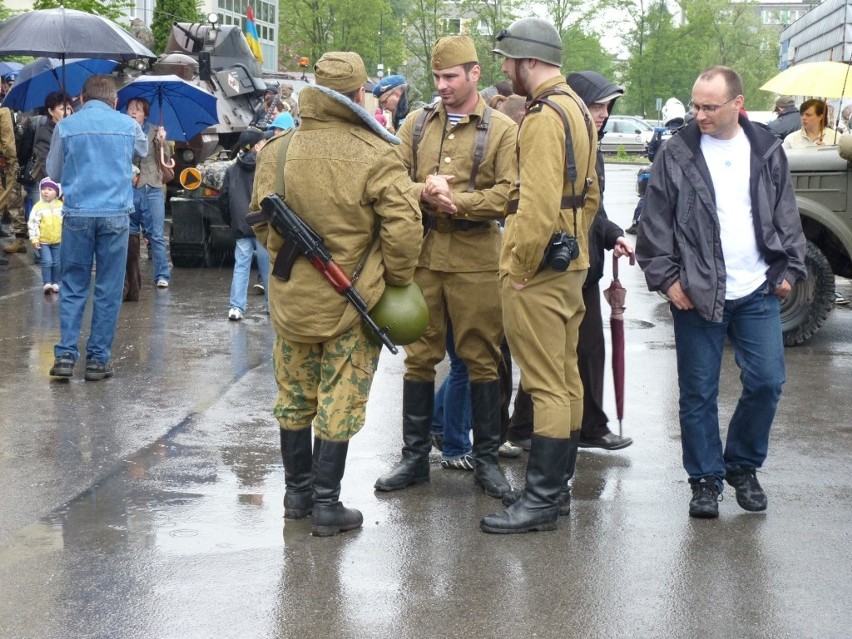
<point>150,505</point>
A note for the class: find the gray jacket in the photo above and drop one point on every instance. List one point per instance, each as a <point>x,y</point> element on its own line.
<point>679,231</point>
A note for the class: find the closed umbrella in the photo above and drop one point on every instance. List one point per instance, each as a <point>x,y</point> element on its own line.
<point>43,76</point>
<point>615,295</point>
<point>183,109</point>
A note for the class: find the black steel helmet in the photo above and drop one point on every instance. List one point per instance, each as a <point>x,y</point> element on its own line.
<point>530,38</point>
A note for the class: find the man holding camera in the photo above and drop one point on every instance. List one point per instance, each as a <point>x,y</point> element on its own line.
<point>544,262</point>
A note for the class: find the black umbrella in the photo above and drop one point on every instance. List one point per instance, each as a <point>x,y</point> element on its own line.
<point>66,33</point>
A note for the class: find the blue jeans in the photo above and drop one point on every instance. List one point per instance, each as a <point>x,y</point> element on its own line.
<point>452,405</point>
<point>753,325</point>
<point>83,240</point>
<point>153,219</point>
<point>49,263</point>
<point>243,251</point>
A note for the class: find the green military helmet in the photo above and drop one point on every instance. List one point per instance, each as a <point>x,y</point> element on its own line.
<point>402,312</point>
<point>530,38</point>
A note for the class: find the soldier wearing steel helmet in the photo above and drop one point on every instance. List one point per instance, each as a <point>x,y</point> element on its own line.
<point>461,155</point>
<point>341,176</point>
<point>556,200</point>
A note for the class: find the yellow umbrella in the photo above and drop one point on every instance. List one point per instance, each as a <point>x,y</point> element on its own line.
<point>819,79</point>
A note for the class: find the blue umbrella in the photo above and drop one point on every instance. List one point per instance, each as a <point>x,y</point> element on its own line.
<point>9,67</point>
<point>184,109</point>
<point>45,75</point>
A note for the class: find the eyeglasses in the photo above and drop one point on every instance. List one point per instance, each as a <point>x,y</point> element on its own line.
<point>709,109</point>
<point>384,99</point>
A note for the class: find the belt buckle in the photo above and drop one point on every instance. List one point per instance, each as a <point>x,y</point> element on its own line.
<point>443,224</point>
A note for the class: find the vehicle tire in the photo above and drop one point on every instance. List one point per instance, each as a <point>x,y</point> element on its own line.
<point>809,302</point>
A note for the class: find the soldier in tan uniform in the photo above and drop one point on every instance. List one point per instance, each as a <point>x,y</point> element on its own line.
<point>10,191</point>
<point>461,156</point>
<point>341,177</point>
<point>542,299</point>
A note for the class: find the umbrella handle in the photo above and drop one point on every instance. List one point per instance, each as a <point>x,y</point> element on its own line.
<point>615,264</point>
<point>170,164</point>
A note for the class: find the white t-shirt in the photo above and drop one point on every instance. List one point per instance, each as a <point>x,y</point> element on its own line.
<point>730,169</point>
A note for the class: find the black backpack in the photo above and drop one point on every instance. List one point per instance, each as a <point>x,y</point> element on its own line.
<point>25,135</point>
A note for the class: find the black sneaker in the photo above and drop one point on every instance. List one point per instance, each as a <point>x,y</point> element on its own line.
<point>705,500</point>
<point>750,495</point>
<point>633,229</point>
<point>96,371</point>
<point>63,366</point>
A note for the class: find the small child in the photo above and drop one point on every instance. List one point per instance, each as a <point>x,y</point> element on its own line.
<point>45,227</point>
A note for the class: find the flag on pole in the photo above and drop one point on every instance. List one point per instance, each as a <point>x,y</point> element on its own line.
<point>251,35</point>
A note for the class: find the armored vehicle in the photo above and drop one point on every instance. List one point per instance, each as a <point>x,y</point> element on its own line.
<point>218,59</point>
<point>822,179</point>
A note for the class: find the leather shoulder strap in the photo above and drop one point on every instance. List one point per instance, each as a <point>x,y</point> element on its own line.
<point>426,114</point>
<point>479,146</point>
<point>283,145</point>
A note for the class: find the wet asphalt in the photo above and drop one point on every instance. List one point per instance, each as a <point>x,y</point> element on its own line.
<point>149,504</point>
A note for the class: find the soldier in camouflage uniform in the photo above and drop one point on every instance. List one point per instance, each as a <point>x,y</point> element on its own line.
<point>461,155</point>
<point>324,362</point>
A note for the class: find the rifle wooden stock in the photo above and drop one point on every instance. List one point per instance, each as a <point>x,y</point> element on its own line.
<point>301,239</point>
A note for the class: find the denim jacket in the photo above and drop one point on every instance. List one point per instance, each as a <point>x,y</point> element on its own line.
<point>91,155</point>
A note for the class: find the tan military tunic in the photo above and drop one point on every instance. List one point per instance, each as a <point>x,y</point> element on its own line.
<point>542,319</point>
<point>457,270</point>
<point>346,183</point>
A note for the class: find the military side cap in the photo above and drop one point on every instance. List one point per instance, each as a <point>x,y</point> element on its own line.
<point>341,71</point>
<point>451,51</point>
<point>388,84</point>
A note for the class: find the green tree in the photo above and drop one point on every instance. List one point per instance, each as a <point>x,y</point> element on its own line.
<point>425,23</point>
<point>665,58</point>
<point>486,19</point>
<point>5,12</point>
<point>732,35</point>
<point>166,13</point>
<point>583,51</point>
<point>312,27</point>
<point>115,10</point>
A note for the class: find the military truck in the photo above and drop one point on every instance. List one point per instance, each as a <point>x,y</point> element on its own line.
<point>218,59</point>
<point>822,179</point>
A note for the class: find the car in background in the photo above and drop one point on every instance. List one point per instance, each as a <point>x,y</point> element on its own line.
<point>633,134</point>
<point>763,117</point>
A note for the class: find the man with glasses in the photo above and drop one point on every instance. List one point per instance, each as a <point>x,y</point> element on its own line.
<point>721,237</point>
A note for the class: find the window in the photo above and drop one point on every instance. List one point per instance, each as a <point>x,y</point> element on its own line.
<point>452,26</point>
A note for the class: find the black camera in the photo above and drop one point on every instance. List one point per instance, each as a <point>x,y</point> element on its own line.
<point>560,252</point>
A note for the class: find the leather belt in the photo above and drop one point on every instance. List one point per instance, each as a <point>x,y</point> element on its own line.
<point>443,224</point>
<point>567,202</point>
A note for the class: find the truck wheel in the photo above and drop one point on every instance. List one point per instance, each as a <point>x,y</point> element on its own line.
<point>809,303</point>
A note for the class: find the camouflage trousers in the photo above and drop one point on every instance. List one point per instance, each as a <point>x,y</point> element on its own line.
<point>12,198</point>
<point>326,384</point>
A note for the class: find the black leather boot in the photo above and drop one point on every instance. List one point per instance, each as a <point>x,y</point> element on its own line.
<point>563,501</point>
<point>329,515</point>
<point>485,422</point>
<point>298,473</point>
<point>537,508</point>
<point>418,399</point>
